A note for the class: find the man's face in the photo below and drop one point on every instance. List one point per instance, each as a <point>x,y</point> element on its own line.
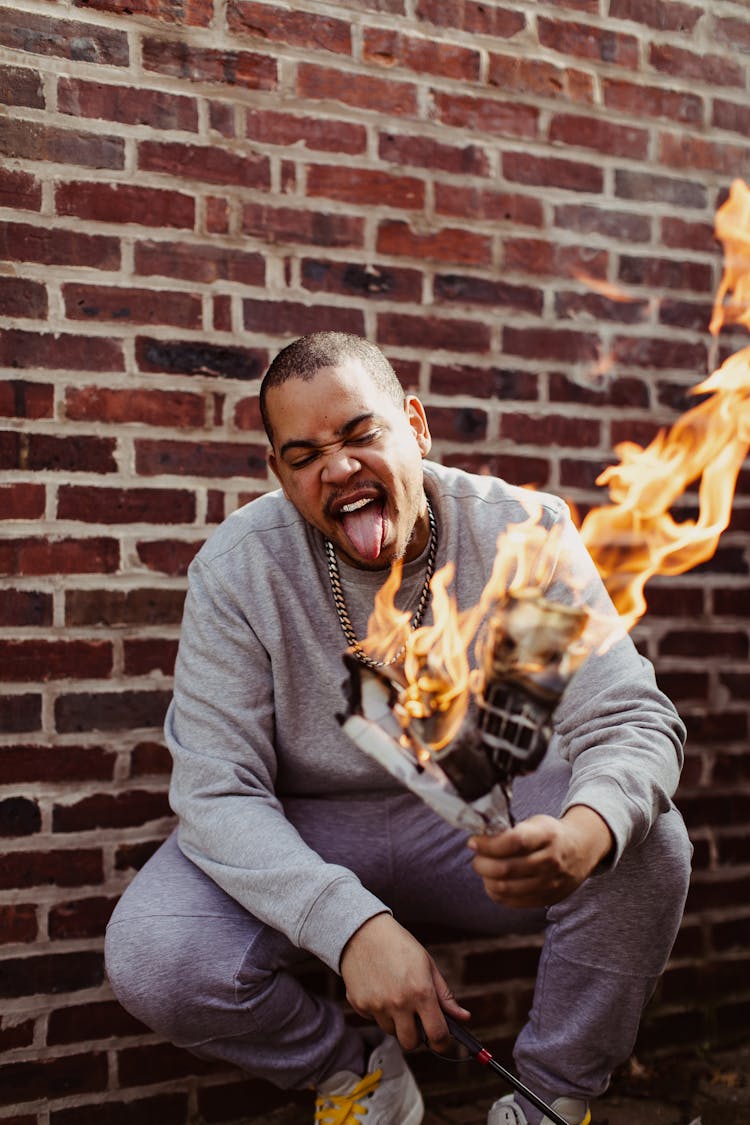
<point>350,460</point>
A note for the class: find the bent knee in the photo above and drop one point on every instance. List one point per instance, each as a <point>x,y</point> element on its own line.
<point>163,972</point>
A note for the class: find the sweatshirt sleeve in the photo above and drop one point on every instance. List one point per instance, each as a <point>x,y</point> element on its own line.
<point>621,734</point>
<point>219,729</point>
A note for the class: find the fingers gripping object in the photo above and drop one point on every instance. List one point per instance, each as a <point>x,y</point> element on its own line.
<point>505,727</point>
<point>483,1056</point>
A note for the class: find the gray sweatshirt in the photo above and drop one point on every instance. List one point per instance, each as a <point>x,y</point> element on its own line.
<point>259,681</point>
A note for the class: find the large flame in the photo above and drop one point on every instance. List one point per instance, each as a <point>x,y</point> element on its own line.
<point>632,538</point>
<point>635,536</point>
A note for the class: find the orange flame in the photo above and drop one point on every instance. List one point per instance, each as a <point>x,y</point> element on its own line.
<point>630,539</point>
<point>635,537</point>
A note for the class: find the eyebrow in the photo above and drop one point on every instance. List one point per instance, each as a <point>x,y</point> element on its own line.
<point>343,432</point>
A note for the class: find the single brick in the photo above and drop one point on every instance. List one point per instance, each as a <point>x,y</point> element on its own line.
<point>474,16</point>
<point>206,163</point>
<point>192,13</point>
<point>544,171</point>
<point>112,710</point>
<point>142,606</point>
<point>64,38</point>
<point>28,140</point>
<point>150,407</point>
<point>20,190</point>
<point>588,42</point>
<point>314,132</point>
<point>309,30</point>
<point>402,330</point>
<point>447,244</point>
<point>350,278</point>
<point>179,58</point>
<point>288,224</point>
<point>364,186</point>
<point>378,95</point>
<point>158,109</point>
<point>21,86</point>
<point>167,556</point>
<point>424,55</point>
<point>487,115</point>
<point>284,318</point>
<point>60,351</point>
<point>125,203</point>
<point>19,816</point>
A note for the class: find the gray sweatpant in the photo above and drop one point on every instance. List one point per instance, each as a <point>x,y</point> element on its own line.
<point>195,967</point>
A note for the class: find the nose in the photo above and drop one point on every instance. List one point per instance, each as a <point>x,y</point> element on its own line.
<point>339,466</point>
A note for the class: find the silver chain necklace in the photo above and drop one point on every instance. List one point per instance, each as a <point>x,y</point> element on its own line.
<point>340,601</point>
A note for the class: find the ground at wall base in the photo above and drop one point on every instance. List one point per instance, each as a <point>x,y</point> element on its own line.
<point>693,1088</point>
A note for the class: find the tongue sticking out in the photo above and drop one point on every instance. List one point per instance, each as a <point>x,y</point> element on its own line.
<point>364,529</point>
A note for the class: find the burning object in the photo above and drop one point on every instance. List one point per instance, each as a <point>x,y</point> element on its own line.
<point>458,737</point>
<point>460,749</point>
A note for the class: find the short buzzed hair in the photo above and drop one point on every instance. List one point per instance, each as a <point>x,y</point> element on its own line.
<point>303,358</point>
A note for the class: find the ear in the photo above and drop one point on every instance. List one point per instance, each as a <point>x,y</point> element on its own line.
<point>274,467</point>
<point>417,419</point>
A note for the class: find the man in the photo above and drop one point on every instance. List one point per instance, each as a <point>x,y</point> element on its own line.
<point>291,841</point>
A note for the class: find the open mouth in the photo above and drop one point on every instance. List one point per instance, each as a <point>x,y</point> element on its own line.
<point>362,517</point>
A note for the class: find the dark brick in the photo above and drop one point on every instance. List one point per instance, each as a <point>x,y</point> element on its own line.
<point>20,399</point>
<point>18,922</point>
<point>25,607</point>
<point>131,857</point>
<point>70,868</point>
<point>49,973</point>
<point>200,459</point>
<point>20,713</point>
<point>81,918</point>
<point>82,1022</point>
<point>64,38</point>
<point>608,392</point>
<point>150,758</point>
<point>26,140</point>
<point>482,291</point>
<point>67,1076</point>
<point>113,710</point>
<point>105,810</point>
<point>190,357</point>
<point>505,384</point>
<point>21,86</point>
<point>391,282</point>
<point>291,318</point>
<point>458,423</point>
<point>31,763</point>
<point>161,1109</point>
<point>168,556</point>
<point>19,817</point>
<point>145,655</point>
<point>125,505</point>
<point>649,188</point>
<point>138,1066</point>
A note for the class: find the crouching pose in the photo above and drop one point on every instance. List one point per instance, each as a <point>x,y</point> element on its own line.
<point>292,842</point>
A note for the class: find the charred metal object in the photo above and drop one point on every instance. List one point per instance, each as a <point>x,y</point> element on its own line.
<point>528,654</point>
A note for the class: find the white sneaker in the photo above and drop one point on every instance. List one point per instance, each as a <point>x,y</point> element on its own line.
<point>506,1112</point>
<point>387,1095</point>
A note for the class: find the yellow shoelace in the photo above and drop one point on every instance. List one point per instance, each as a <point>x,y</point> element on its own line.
<point>346,1109</point>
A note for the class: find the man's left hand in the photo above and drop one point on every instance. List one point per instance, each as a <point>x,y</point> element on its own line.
<point>542,860</point>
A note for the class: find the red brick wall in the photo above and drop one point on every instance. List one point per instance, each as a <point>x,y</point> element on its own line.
<point>183,188</point>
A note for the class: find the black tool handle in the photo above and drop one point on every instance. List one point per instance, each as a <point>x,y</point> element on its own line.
<point>482,1055</point>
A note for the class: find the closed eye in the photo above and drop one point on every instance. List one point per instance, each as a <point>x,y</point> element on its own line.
<point>364,439</point>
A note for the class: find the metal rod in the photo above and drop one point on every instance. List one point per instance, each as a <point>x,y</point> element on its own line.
<point>483,1056</point>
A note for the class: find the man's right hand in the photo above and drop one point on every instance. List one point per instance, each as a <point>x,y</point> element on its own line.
<point>390,978</point>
